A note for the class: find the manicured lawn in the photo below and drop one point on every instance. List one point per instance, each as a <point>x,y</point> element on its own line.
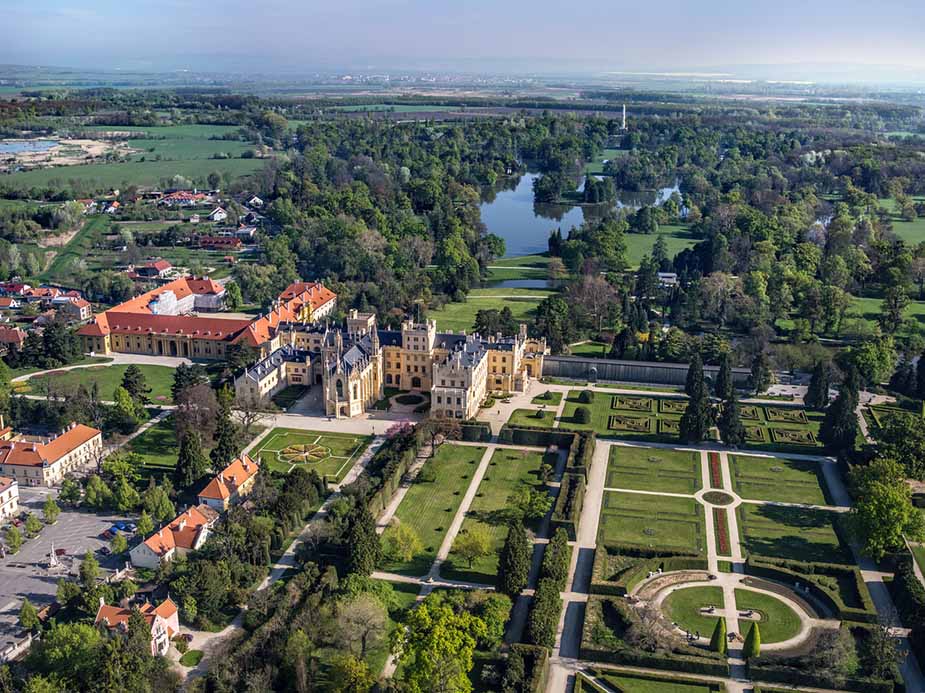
<point>654,469</point>
<point>490,509</point>
<point>107,379</point>
<point>868,308</point>
<point>683,607</point>
<point>677,237</point>
<point>461,316</point>
<point>158,446</point>
<point>778,479</point>
<point>778,621</point>
<point>792,533</point>
<point>628,683</point>
<point>16,372</point>
<point>596,167</point>
<point>289,395</point>
<point>330,454</point>
<point>529,417</point>
<point>430,506</point>
<point>191,658</point>
<point>590,350</point>
<point>652,522</point>
<point>519,267</point>
<point>549,398</point>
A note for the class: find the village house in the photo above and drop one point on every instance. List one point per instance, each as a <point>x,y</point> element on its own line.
<point>186,532</point>
<point>9,303</point>
<point>73,309</point>
<point>46,463</point>
<point>162,619</point>
<point>232,484</point>
<point>13,288</point>
<point>218,214</point>
<point>43,295</point>
<point>9,498</point>
<point>254,201</point>
<point>220,243</point>
<point>112,207</point>
<point>154,269</point>
<point>11,338</point>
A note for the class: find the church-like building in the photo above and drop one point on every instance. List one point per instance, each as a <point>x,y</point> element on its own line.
<point>353,365</point>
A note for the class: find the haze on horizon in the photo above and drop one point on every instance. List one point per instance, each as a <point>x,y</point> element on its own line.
<point>514,36</point>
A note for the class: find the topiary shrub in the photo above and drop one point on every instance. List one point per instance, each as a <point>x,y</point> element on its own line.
<point>752,646</point>
<point>586,397</point>
<point>582,415</point>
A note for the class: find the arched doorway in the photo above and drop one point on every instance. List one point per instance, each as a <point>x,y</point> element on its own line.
<point>173,348</point>
<point>415,383</point>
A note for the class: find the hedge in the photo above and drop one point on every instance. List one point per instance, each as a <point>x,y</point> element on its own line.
<point>566,513</point>
<point>476,432</point>
<point>535,436</point>
<point>536,660</point>
<point>580,453</point>
<point>792,572</point>
<point>800,676</point>
<point>682,658</point>
<point>642,563</point>
<point>543,620</point>
<point>909,597</point>
<point>387,467</point>
<point>556,559</point>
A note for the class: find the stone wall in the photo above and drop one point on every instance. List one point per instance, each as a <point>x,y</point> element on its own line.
<point>629,371</point>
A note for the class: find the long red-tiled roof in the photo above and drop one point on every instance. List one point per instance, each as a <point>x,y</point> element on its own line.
<point>117,617</point>
<point>27,454</point>
<point>215,329</point>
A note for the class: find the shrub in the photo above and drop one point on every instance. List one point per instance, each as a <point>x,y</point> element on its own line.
<point>583,415</point>
<point>586,396</point>
<point>544,614</point>
<point>752,646</point>
<point>556,559</point>
<point>718,639</point>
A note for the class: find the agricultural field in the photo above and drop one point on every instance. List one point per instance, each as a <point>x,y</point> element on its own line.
<point>799,534</point>
<point>778,479</point>
<point>106,378</point>
<point>432,502</point>
<point>329,454</point>
<point>178,142</point>
<point>654,469</point>
<point>650,521</point>
<point>490,509</point>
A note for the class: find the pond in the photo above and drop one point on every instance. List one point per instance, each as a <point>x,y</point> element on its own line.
<point>519,284</point>
<point>20,146</point>
<point>525,225</point>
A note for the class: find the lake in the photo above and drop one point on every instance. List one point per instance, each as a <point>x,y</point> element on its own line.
<point>525,225</point>
<point>20,146</point>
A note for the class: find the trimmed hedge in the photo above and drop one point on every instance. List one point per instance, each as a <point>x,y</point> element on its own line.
<point>909,597</point>
<point>476,432</point>
<point>566,513</point>
<point>387,467</point>
<point>580,453</point>
<point>556,559</point>
<point>808,574</point>
<point>682,657</point>
<point>536,666</point>
<point>800,676</point>
<point>639,564</point>
<point>583,415</point>
<point>536,436</point>
<point>543,620</point>
<point>586,396</point>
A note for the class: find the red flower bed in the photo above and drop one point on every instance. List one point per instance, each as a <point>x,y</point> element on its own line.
<point>720,522</point>
<point>716,471</point>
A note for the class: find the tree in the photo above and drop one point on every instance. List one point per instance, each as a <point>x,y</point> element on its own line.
<point>834,656</point>
<point>880,651</point>
<point>752,647</point>
<point>718,639</point>
<point>894,304</point>
<point>473,544</point>
<point>697,418</point>
<point>185,377</point>
<point>544,614</point>
<point>724,389</point>
<point>361,624</point>
<point>28,615</point>
<point>157,503</point>
<point>89,571</point>
<point>145,525</point>
<point>530,503</point>
<point>694,382</point>
<point>250,409</point>
<point>33,525</point>
<point>226,435</point>
<point>133,381</point>
<point>192,463</point>
<point>347,674</point>
<point>901,437</point>
<point>839,428</point>
<point>363,545</point>
<point>883,514</point>
<point>436,647</point>
<point>70,492</point>
<point>124,415</point>
<point>119,544</point>
<point>233,297</point>
<point>401,542</point>
<point>70,651</point>
<point>731,430</point>
<point>817,394</point>
<point>515,560</point>
<point>761,377</point>
<point>124,496</point>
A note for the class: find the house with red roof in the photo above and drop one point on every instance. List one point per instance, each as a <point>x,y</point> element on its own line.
<point>187,532</point>
<point>162,619</point>
<point>11,338</point>
<point>9,303</point>
<point>46,463</point>
<point>73,309</point>
<point>154,269</point>
<point>232,484</point>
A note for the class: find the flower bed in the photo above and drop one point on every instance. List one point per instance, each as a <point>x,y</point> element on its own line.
<point>721,524</point>
<point>632,424</point>
<point>672,406</point>
<point>716,471</point>
<point>637,404</point>
<point>781,415</point>
<point>793,436</point>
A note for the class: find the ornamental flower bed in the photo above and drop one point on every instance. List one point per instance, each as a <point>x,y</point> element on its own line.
<point>716,472</point>
<point>721,523</point>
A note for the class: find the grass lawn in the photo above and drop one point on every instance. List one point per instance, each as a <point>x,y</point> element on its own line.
<point>868,309</point>
<point>430,506</point>
<point>519,267</point>
<point>107,378</point>
<point>330,454</point>
<point>799,534</point>
<point>550,398</point>
<point>630,683</point>
<point>918,551</point>
<point>594,350</point>
<point>80,247</point>
<point>191,658</point>
<point>158,446</point>
<point>596,167</point>
<point>778,621</point>
<point>683,607</point>
<point>16,372</point>
<point>652,522</point>
<point>405,596</point>
<point>508,470</point>
<point>654,469</point>
<point>461,316</point>
<point>677,237</point>
<point>289,395</point>
<point>778,479</point>
<point>528,417</point>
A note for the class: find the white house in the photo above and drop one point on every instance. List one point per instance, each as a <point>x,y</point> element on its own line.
<point>254,202</point>
<point>218,214</point>
<point>186,532</point>
<point>9,498</point>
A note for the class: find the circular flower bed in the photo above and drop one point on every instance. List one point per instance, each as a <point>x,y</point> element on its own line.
<point>717,498</point>
<point>304,453</point>
<point>408,399</point>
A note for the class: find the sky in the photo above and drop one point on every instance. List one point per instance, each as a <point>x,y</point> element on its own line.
<point>498,35</point>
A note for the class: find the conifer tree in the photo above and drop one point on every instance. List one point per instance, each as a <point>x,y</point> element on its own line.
<point>133,380</point>
<point>363,545</point>
<point>817,394</point>
<point>724,387</point>
<point>752,646</point>
<point>226,445</point>
<point>514,561</point>
<point>839,428</point>
<point>192,463</point>
<point>694,375</point>
<point>730,425</point>
<point>697,419</point>
<point>718,640</point>
<point>761,377</point>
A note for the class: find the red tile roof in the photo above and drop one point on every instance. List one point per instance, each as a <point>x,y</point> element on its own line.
<point>225,484</point>
<point>117,617</point>
<point>27,454</point>
<point>12,335</point>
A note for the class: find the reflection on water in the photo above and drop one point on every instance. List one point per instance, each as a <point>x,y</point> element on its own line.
<point>509,211</point>
<point>17,147</point>
<point>520,284</point>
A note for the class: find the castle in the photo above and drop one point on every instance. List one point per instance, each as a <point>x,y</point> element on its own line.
<point>354,365</point>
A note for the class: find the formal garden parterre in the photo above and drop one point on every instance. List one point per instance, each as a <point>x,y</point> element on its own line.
<point>330,454</point>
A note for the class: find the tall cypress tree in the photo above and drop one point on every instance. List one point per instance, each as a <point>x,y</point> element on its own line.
<point>724,387</point>
<point>514,560</point>
<point>752,646</point>
<point>363,545</point>
<point>133,380</point>
<point>730,425</point>
<point>226,435</point>
<point>697,419</point>
<point>762,377</point>
<point>192,463</point>
<point>839,428</point>
<point>817,394</point>
<point>718,639</point>
<point>694,375</point>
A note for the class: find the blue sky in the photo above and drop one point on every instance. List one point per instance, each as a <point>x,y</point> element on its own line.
<point>514,35</point>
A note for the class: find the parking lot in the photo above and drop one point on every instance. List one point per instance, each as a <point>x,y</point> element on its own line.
<point>27,574</point>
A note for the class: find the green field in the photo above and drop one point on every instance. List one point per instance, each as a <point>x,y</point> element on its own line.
<point>16,372</point>
<point>594,350</point>
<point>663,522</point>
<point>778,479</point>
<point>778,622</point>
<point>107,379</point>
<point>397,108</point>
<point>677,237</point>
<point>912,232</point>
<point>550,398</point>
<point>158,446</point>
<point>868,309</point>
<point>528,417</point>
<point>490,509</point>
<point>596,167</point>
<point>654,469</point>
<point>639,683</point>
<point>330,454</point>
<point>78,249</point>
<point>429,506</point>
<point>519,267</point>
<point>461,316</point>
<point>683,608</point>
<point>799,534</point>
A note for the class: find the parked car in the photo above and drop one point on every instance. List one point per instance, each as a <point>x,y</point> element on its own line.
<point>106,535</point>
<point>104,550</point>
